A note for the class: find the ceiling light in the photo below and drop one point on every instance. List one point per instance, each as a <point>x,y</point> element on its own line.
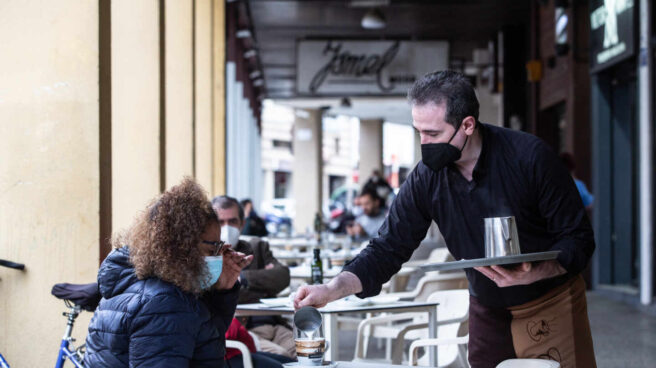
<point>244,33</point>
<point>250,53</point>
<point>368,3</point>
<point>258,82</point>
<point>373,19</point>
<point>255,74</point>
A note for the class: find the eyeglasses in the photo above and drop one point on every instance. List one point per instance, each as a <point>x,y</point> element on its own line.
<point>218,246</point>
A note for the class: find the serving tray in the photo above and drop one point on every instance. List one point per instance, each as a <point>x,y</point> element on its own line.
<point>478,262</point>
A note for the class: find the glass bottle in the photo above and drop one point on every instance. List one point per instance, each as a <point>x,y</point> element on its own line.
<point>317,267</point>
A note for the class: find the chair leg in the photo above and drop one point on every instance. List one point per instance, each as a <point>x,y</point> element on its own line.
<point>365,340</point>
<point>388,348</point>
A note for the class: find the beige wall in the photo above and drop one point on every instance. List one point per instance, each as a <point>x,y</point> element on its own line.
<point>203,92</point>
<point>371,148</point>
<point>79,88</point>
<point>135,108</point>
<point>307,168</point>
<point>49,169</point>
<point>179,89</point>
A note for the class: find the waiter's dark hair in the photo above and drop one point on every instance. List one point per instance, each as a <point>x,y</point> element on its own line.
<point>449,87</point>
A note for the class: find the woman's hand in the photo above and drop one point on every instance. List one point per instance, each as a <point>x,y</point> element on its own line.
<point>233,263</point>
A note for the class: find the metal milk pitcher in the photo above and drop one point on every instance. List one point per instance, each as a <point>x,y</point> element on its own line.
<point>501,237</point>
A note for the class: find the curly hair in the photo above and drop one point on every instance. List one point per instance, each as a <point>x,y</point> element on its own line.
<point>163,240</point>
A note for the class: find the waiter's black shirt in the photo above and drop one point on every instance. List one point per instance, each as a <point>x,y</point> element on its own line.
<point>517,174</point>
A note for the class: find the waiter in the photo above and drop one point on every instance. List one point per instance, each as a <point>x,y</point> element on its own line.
<point>470,171</point>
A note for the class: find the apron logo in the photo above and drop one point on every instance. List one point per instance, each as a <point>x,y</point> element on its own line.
<point>538,330</point>
<point>552,354</point>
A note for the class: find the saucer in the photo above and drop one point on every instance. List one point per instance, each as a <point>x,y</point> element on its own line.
<point>299,365</point>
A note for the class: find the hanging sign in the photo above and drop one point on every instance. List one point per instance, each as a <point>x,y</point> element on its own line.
<point>612,32</point>
<point>351,68</point>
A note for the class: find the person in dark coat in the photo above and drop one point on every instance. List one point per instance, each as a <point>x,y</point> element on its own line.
<point>168,298</point>
<point>253,224</point>
<point>265,277</point>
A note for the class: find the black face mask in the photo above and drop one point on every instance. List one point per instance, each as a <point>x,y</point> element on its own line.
<point>438,155</point>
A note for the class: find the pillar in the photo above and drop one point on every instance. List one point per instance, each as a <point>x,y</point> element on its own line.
<point>178,79</point>
<point>308,167</point>
<point>417,142</point>
<point>371,148</point>
<point>218,98</point>
<point>135,76</point>
<point>49,170</point>
<point>203,93</point>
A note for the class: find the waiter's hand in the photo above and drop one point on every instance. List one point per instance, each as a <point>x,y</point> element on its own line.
<point>313,295</point>
<point>525,274</point>
<point>344,284</point>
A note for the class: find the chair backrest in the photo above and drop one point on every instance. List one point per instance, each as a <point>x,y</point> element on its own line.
<point>441,254</point>
<point>435,282</point>
<point>453,304</point>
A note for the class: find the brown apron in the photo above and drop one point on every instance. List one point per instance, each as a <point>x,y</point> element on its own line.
<point>554,326</point>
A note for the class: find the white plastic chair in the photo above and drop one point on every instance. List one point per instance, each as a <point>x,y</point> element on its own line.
<point>528,363</point>
<point>427,285</point>
<point>445,357</point>
<point>245,353</point>
<point>437,255</point>
<point>452,317</point>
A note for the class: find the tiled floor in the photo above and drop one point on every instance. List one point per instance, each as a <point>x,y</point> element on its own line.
<point>623,336</point>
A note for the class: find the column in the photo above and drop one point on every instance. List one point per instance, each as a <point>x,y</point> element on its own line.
<point>307,168</point>
<point>203,93</point>
<point>417,140</point>
<point>218,99</point>
<point>371,148</point>
<point>178,79</point>
<point>135,63</point>
<point>49,168</point>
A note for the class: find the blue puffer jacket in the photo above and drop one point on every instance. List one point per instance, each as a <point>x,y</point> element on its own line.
<point>152,323</point>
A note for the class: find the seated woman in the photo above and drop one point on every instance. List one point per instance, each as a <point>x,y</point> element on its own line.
<point>166,301</point>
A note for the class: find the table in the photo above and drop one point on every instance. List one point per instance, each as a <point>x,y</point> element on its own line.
<point>330,313</point>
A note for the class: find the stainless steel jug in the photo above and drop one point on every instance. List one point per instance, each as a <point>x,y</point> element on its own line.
<point>501,237</point>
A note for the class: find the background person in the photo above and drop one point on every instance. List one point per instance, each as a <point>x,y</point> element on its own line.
<point>253,224</point>
<point>162,298</point>
<point>366,225</point>
<point>265,277</point>
<point>586,196</point>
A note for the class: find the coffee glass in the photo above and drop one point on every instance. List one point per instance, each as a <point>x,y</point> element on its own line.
<point>311,346</point>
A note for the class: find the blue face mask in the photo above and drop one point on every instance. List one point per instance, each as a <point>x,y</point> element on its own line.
<point>214,266</point>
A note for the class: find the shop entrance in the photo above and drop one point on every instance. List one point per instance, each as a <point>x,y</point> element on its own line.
<point>616,178</point>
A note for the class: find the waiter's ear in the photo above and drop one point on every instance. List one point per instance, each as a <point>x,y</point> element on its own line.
<point>469,125</point>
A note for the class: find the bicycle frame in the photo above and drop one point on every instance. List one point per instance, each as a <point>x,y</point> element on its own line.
<point>65,351</point>
<point>3,362</point>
